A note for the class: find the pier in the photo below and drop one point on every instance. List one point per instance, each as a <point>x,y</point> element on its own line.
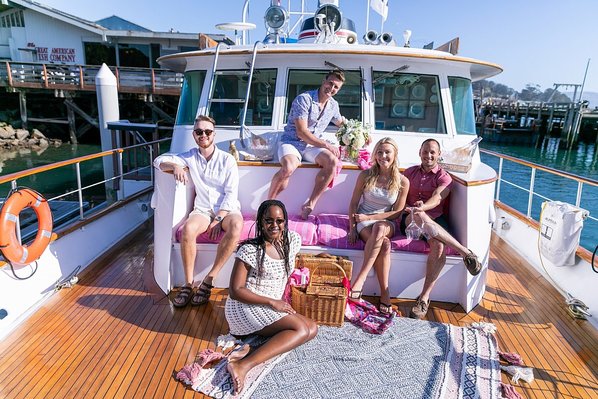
<point>71,82</point>
<point>525,122</point>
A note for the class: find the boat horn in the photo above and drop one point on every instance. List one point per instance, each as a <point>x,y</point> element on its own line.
<point>386,38</point>
<point>371,37</point>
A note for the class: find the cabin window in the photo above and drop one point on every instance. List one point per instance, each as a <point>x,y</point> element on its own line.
<point>228,97</point>
<point>462,99</point>
<point>189,100</point>
<point>408,102</point>
<point>348,97</point>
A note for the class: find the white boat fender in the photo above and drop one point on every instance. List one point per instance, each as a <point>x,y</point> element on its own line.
<point>560,229</point>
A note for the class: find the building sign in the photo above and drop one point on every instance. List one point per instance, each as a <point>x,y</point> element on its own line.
<point>55,54</point>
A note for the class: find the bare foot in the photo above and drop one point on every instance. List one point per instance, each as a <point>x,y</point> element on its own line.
<point>305,211</point>
<point>239,354</point>
<point>237,375</point>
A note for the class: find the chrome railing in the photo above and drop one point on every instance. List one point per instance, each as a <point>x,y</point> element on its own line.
<point>121,172</point>
<point>555,183</point>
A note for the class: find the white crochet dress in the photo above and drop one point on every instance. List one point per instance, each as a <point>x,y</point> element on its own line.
<point>246,318</point>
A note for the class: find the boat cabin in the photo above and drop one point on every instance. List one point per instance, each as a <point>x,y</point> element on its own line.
<point>406,93</point>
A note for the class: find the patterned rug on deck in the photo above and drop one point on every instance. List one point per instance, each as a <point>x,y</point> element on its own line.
<point>413,359</point>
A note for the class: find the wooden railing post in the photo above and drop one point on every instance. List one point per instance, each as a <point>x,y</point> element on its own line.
<point>81,82</point>
<point>9,73</point>
<point>117,78</point>
<point>153,73</point>
<point>45,75</point>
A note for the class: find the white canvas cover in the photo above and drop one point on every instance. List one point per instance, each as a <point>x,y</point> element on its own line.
<point>560,228</point>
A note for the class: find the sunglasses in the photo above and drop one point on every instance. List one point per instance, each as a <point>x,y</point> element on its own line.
<point>199,132</point>
<point>274,221</point>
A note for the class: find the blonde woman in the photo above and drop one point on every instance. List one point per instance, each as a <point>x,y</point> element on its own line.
<point>378,199</point>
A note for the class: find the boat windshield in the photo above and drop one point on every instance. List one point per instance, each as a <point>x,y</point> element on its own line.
<point>228,97</point>
<point>408,102</point>
<point>190,93</point>
<point>462,99</point>
<point>348,97</point>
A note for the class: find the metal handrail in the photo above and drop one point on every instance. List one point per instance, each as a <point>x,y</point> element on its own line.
<point>56,165</point>
<point>13,177</point>
<point>246,102</point>
<point>213,75</point>
<point>572,176</point>
<point>581,181</point>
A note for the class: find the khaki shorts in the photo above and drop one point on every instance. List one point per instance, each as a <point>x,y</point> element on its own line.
<point>210,215</point>
<point>309,154</point>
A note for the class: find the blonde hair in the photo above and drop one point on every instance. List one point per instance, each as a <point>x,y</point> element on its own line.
<point>371,179</point>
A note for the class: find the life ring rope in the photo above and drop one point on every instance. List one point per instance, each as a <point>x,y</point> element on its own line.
<point>10,245</point>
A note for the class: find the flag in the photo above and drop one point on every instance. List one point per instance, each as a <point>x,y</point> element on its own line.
<point>381,7</point>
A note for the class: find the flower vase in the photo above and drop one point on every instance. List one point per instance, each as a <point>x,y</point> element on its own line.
<point>349,153</point>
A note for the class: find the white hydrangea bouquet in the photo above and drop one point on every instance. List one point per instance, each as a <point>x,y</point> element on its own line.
<point>352,136</point>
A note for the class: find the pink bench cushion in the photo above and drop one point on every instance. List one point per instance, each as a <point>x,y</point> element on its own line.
<point>307,229</point>
<point>333,230</point>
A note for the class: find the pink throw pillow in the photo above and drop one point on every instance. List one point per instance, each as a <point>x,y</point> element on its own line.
<point>333,232</point>
<point>307,229</point>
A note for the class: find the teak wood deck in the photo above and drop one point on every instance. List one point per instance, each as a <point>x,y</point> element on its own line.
<point>114,336</point>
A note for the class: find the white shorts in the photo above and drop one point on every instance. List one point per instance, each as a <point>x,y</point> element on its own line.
<point>362,225</point>
<point>309,154</point>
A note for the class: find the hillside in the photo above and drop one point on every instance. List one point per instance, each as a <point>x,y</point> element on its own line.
<point>591,96</point>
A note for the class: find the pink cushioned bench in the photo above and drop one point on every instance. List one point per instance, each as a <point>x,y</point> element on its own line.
<point>307,229</point>
<point>332,232</point>
<point>327,230</point>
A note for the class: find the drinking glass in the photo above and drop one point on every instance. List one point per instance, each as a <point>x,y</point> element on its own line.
<point>413,231</point>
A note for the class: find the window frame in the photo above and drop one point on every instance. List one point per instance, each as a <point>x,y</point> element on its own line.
<point>406,101</point>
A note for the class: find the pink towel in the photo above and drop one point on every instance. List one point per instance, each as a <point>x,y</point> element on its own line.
<point>298,277</point>
<point>364,159</point>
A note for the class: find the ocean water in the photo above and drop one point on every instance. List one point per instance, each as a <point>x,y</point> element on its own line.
<point>58,181</point>
<point>581,160</point>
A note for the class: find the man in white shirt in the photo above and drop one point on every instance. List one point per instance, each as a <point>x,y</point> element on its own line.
<point>216,207</point>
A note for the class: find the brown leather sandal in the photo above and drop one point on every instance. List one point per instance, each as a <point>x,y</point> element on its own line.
<point>183,297</point>
<point>202,294</point>
<point>385,308</point>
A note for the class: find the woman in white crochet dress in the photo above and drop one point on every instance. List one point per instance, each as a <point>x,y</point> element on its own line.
<point>255,306</point>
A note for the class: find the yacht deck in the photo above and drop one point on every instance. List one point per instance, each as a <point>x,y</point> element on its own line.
<point>115,335</point>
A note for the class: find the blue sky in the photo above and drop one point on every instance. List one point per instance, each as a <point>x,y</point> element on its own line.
<point>535,41</point>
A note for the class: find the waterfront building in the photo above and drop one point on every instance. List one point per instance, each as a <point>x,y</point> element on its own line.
<point>24,28</point>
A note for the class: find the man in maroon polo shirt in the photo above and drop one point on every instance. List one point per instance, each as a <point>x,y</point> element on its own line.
<point>429,187</point>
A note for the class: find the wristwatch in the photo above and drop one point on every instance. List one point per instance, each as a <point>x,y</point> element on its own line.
<point>218,218</point>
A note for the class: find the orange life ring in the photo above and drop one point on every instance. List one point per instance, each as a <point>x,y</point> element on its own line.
<point>11,248</point>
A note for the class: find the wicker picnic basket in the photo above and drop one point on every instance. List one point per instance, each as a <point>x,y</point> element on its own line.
<point>329,271</point>
<point>325,297</point>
